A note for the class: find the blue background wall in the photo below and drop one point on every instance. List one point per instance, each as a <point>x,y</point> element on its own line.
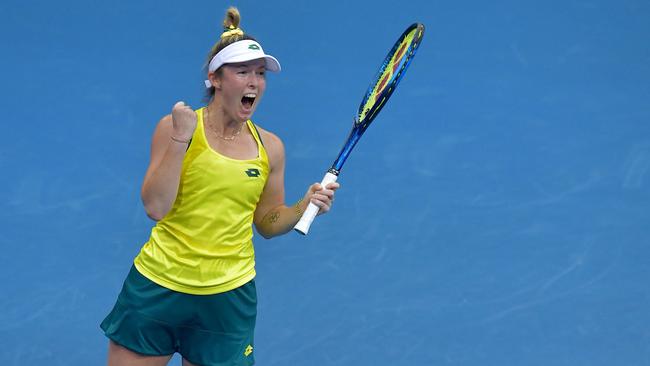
<point>497,212</point>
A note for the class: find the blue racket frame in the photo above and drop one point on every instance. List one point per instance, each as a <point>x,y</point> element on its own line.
<point>363,120</point>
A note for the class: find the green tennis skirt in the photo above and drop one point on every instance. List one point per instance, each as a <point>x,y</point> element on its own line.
<point>215,330</point>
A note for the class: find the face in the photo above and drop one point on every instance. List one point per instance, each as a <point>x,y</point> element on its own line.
<point>239,87</point>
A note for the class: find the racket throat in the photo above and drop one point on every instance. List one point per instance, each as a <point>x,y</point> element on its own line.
<point>333,171</point>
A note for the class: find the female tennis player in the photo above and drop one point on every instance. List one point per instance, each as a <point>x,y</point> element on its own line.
<point>212,175</point>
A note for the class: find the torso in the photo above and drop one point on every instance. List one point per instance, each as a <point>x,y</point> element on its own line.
<point>203,245</point>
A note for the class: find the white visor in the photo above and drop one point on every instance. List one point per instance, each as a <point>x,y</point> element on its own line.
<point>241,51</point>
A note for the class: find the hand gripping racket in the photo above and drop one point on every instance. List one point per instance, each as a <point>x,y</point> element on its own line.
<point>390,73</point>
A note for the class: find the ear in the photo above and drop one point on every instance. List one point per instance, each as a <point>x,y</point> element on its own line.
<point>215,79</point>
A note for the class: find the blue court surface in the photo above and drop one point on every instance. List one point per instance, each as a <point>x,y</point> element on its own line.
<point>496,213</point>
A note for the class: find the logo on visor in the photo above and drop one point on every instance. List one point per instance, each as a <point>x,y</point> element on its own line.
<point>253,47</point>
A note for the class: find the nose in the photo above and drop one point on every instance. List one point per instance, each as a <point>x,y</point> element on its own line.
<point>255,80</point>
<point>251,81</point>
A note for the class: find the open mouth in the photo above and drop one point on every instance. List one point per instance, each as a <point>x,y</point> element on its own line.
<point>248,100</point>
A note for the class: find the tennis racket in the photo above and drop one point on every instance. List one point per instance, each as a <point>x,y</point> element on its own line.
<point>390,73</point>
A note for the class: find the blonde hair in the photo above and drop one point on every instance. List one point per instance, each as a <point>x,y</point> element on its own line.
<point>231,34</point>
<point>231,23</point>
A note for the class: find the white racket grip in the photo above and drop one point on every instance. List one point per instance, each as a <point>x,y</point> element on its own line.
<point>312,210</point>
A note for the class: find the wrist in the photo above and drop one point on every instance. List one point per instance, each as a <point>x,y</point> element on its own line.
<point>298,208</point>
<point>179,140</point>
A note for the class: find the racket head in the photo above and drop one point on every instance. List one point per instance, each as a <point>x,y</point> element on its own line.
<point>390,73</point>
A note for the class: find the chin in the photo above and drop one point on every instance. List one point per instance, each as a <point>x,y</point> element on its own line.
<point>243,117</point>
<point>240,116</point>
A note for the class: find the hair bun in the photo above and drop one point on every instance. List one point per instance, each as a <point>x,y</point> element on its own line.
<point>232,19</point>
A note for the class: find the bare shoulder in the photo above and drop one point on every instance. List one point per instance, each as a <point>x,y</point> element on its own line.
<point>273,145</point>
<point>272,142</point>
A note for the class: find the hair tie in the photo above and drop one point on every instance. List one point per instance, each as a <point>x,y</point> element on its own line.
<point>232,31</point>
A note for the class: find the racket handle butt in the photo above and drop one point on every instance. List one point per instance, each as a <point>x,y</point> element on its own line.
<point>310,213</point>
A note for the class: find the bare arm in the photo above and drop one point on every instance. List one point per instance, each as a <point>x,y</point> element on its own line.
<point>160,185</point>
<point>272,216</point>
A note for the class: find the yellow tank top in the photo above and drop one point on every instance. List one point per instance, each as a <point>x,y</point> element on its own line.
<point>204,243</point>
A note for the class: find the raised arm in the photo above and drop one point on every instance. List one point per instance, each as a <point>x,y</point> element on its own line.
<point>168,146</point>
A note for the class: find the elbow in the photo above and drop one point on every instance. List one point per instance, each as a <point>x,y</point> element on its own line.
<point>155,212</point>
<point>153,205</point>
<point>266,234</point>
<point>154,215</point>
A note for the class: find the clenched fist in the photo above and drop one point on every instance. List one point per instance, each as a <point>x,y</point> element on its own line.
<point>184,121</point>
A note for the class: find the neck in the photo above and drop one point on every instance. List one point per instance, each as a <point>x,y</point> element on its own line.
<point>220,123</point>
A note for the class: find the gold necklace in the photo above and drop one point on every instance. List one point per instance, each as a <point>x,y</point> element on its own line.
<point>227,138</point>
